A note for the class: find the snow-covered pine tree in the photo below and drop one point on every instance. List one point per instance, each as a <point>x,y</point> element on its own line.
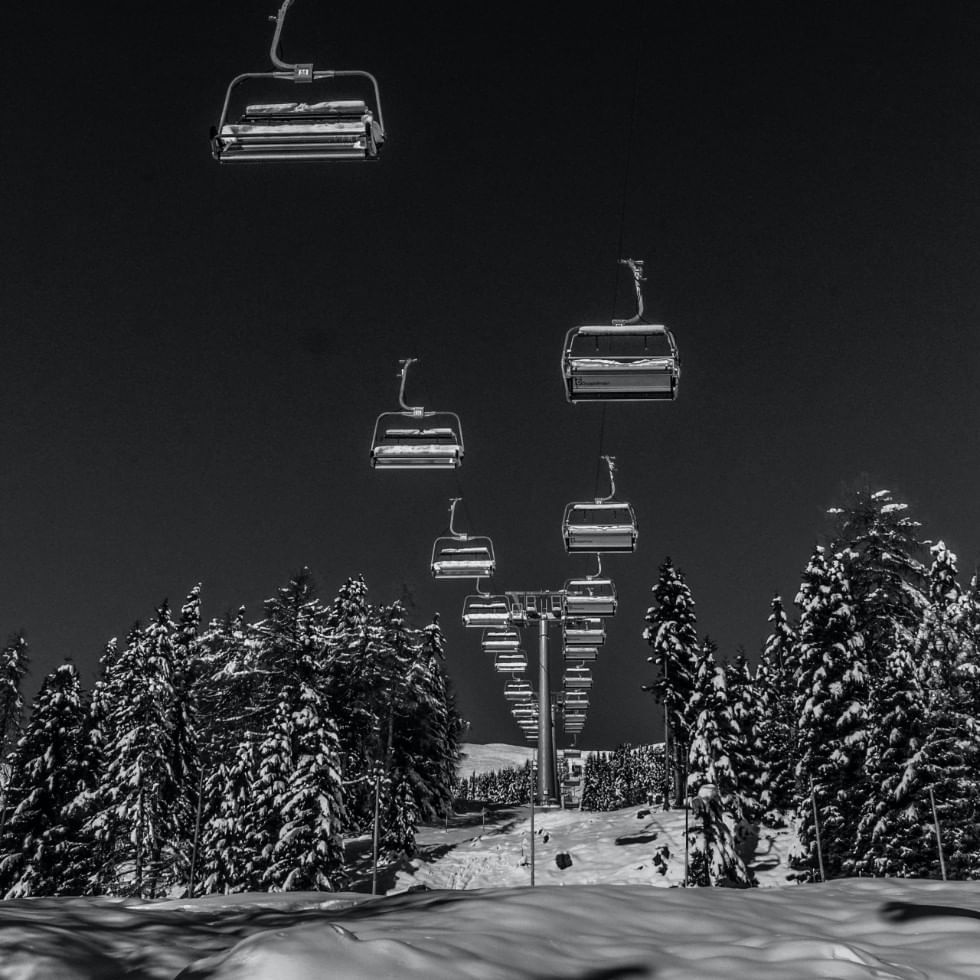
<point>186,739</point>
<point>230,842</point>
<point>877,542</point>
<point>671,632</point>
<point>50,764</point>
<point>711,780</point>
<point>132,819</point>
<point>894,837</point>
<point>745,749</point>
<point>14,659</point>
<point>949,760</point>
<point>831,704</point>
<point>775,684</point>
<point>297,806</point>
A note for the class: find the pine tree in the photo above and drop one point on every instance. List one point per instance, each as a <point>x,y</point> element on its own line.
<point>775,684</point>
<point>14,659</point>
<point>711,780</point>
<point>831,704</point>
<point>894,827</point>
<point>132,820</point>
<point>49,767</point>
<point>745,749</point>
<point>671,631</point>
<point>949,760</point>
<point>878,544</point>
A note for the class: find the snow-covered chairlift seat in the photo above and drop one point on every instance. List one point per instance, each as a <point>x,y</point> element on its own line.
<point>577,677</point>
<point>580,653</point>
<point>590,597</point>
<point>603,527</point>
<point>485,611</point>
<point>500,639</point>
<point>279,131</point>
<point>620,362</point>
<point>583,632</point>
<point>518,689</point>
<point>456,557</point>
<point>510,663</point>
<point>433,446</point>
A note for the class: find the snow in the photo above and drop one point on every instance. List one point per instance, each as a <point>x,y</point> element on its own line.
<point>464,908</point>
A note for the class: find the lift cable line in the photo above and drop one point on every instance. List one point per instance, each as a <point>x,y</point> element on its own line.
<point>338,129</point>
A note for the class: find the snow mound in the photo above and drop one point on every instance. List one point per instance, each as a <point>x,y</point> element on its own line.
<point>854,929</point>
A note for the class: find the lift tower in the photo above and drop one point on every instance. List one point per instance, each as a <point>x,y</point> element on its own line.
<point>541,609</point>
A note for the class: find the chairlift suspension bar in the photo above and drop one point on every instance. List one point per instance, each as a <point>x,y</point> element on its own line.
<point>611,463</point>
<point>636,267</point>
<point>403,374</point>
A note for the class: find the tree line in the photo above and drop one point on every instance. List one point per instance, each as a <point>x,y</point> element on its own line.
<point>234,757</point>
<point>860,723</point>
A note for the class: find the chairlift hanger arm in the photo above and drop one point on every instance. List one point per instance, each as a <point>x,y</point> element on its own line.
<point>611,463</point>
<point>636,267</point>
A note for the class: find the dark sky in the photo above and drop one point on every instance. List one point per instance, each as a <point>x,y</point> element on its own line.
<point>193,356</point>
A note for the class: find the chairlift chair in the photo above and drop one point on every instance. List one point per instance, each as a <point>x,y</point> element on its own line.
<point>603,526</point>
<point>483,611</point>
<point>590,597</point>
<point>583,632</point>
<point>581,701</point>
<point>580,653</point>
<point>525,710</point>
<point>459,555</point>
<point>625,360</point>
<point>578,676</point>
<point>500,639</point>
<point>311,130</point>
<point>510,663</point>
<point>518,690</point>
<point>416,439</point>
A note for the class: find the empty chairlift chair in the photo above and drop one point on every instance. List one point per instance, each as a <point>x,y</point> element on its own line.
<point>623,361</point>
<point>518,690</point>
<point>416,439</point>
<point>510,663</point>
<point>580,653</point>
<point>583,632</point>
<point>602,526</point>
<point>495,640</point>
<point>484,611</point>
<point>590,597</point>
<point>459,555</point>
<point>577,676</point>
<point>313,129</point>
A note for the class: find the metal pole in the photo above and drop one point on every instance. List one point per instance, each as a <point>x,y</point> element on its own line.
<point>546,771</point>
<point>816,827</point>
<point>197,831</point>
<point>939,836</point>
<point>374,832</point>
<point>535,777</point>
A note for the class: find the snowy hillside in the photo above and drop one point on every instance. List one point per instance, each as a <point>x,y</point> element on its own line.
<point>492,757</point>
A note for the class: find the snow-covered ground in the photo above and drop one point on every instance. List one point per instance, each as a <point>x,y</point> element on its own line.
<point>598,918</point>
